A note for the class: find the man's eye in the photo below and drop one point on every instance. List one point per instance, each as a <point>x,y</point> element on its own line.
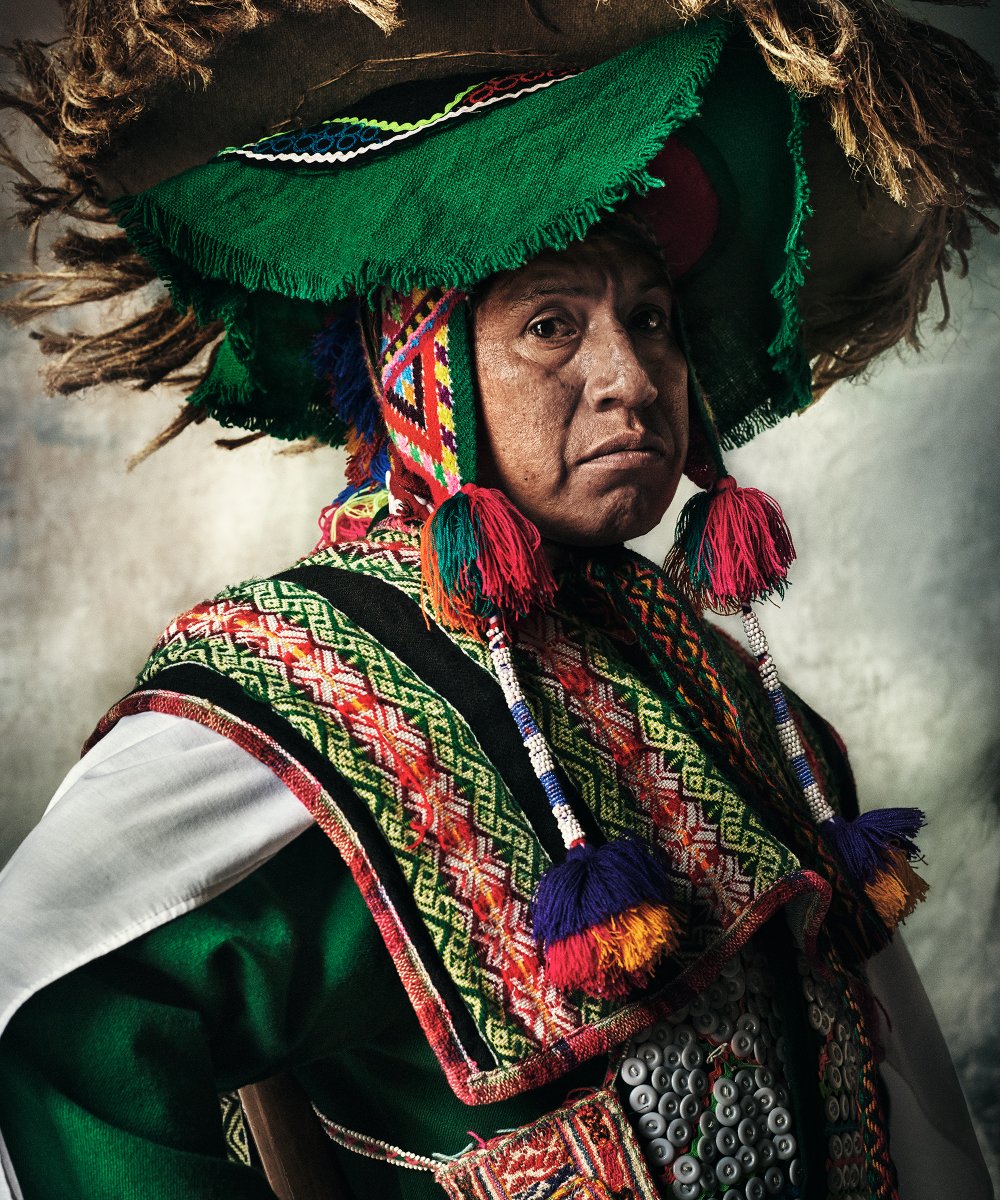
<point>549,328</point>
<point>651,320</point>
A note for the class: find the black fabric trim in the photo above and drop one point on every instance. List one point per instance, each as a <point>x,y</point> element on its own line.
<point>226,694</point>
<point>411,102</point>
<point>775,941</point>
<point>397,623</point>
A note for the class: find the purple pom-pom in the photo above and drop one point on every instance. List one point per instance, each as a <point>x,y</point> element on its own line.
<point>594,884</point>
<point>864,842</point>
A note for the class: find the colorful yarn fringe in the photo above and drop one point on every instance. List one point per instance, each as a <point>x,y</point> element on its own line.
<point>876,847</point>
<point>481,558</point>
<point>339,358</point>
<point>601,916</point>
<point>349,520</point>
<point>732,547</point>
<point>366,494</point>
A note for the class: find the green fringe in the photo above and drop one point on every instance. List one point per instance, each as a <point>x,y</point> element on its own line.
<point>688,537</point>
<point>786,348</point>
<point>185,257</point>
<point>454,543</point>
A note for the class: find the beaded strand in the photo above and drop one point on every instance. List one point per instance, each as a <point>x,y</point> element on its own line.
<point>788,735</point>
<point>533,738</point>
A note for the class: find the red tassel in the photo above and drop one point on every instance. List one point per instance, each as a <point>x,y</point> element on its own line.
<point>751,546</point>
<point>513,569</point>
<point>610,959</point>
<point>481,557</point>
<point>732,547</point>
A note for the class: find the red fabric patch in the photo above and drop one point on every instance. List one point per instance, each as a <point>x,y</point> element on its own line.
<point>684,213</point>
<point>583,1150</point>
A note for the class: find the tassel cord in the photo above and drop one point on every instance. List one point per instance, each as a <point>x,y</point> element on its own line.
<point>877,847</point>
<point>534,741</point>
<point>601,916</point>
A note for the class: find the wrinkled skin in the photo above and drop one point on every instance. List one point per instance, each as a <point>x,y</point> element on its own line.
<point>583,391</point>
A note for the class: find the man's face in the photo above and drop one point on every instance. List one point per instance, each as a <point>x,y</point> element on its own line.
<point>583,391</point>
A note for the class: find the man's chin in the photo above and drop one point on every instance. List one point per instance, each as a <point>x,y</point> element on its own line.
<point>606,521</point>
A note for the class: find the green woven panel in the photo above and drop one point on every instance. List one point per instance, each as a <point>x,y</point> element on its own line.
<point>289,648</point>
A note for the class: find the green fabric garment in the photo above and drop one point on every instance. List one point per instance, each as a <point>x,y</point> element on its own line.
<point>109,1078</point>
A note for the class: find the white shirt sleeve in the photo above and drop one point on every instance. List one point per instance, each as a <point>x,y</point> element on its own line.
<point>156,819</point>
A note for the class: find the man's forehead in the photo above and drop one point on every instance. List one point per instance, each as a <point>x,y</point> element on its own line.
<point>585,268</point>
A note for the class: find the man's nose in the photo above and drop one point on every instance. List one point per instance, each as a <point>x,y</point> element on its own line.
<point>616,375</point>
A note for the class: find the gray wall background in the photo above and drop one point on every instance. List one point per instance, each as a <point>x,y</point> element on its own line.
<point>890,629</point>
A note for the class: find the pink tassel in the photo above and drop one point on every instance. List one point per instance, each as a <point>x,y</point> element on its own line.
<point>732,547</point>
<point>512,565</point>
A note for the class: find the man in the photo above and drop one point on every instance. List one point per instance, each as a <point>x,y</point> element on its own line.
<point>583,348</point>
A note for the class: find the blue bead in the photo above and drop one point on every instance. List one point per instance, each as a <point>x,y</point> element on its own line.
<point>525,721</point>
<point>802,771</point>
<point>553,791</point>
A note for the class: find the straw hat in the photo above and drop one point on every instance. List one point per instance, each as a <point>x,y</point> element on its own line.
<point>901,152</point>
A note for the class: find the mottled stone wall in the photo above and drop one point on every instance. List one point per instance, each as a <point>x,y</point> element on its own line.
<point>890,628</point>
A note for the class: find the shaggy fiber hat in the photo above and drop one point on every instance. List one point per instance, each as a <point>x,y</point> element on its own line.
<point>901,146</point>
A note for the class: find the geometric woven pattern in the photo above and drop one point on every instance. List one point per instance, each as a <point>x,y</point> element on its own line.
<point>461,842</point>
<point>442,808</point>
<point>234,1128</point>
<point>838,1009</point>
<point>342,139</point>
<point>615,735</point>
<point>585,1149</point>
<point>418,387</point>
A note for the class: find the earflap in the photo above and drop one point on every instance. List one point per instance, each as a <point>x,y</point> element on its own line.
<point>480,557</point>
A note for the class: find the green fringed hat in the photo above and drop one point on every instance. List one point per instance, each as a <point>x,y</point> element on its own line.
<point>445,184</point>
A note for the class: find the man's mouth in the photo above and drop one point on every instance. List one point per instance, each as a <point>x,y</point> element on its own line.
<point>626,450</point>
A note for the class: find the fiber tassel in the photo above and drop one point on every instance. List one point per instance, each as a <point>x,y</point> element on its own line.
<point>877,848</point>
<point>513,570</point>
<point>480,557</point>
<point>447,550</point>
<point>602,917</point>
<point>896,891</point>
<point>732,546</point>
<point>339,357</point>
<point>348,519</point>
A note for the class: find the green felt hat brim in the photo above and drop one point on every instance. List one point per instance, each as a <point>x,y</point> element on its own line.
<point>269,249</point>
